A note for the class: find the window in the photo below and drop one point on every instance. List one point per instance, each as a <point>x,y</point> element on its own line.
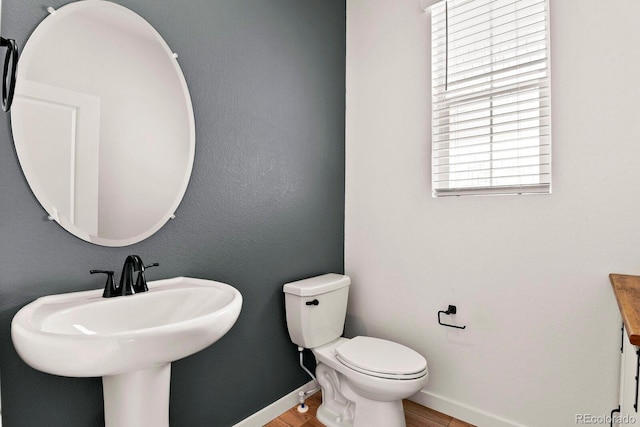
<point>491,130</point>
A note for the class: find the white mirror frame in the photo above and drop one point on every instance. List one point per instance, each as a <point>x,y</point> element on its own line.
<point>65,208</point>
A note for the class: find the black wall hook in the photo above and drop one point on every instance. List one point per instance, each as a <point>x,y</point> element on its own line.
<point>9,72</point>
<point>451,310</point>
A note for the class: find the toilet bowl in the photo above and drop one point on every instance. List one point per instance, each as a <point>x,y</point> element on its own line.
<point>363,379</point>
<point>367,389</point>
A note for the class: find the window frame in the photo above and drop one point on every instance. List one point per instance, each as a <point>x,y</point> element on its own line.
<point>442,165</point>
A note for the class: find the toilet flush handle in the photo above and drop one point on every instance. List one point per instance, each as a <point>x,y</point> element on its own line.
<point>314,302</point>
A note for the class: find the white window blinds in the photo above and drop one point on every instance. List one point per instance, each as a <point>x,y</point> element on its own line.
<point>491,107</point>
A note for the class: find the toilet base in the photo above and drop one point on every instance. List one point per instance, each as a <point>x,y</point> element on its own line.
<point>387,414</point>
<point>372,413</point>
<point>330,419</point>
<point>343,407</point>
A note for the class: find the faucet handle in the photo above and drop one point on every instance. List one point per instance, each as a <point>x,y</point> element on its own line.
<point>109,287</point>
<point>141,280</point>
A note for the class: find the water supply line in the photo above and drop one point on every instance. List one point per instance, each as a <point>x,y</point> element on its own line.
<point>303,394</point>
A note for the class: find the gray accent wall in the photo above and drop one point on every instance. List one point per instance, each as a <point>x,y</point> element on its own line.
<point>265,205</point>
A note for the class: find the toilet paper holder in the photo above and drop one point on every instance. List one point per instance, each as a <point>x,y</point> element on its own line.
<point>450,310</point>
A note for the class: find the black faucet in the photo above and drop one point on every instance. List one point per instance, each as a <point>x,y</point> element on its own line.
<point>132,264</point>
<point>127,286</point>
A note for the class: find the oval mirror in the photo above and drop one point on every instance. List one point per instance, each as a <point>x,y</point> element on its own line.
<point>103,123</point>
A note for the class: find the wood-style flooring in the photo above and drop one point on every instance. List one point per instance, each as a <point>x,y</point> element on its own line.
<point>415,414</point>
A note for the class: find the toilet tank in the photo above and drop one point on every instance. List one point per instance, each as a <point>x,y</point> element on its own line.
<point>316,309</point>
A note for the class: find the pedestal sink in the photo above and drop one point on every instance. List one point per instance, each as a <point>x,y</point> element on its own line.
<point>129,341</point>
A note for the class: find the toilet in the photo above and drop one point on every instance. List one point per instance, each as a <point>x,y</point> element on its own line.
<point>363,379</point>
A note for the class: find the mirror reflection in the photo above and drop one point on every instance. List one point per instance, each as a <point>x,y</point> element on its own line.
<point>103,123</point>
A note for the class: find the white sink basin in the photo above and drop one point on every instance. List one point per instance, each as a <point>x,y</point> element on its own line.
<point>125,339</point>
<point>81,334</point>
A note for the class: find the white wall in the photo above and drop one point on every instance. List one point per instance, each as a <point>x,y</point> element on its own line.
<point>528,273</point>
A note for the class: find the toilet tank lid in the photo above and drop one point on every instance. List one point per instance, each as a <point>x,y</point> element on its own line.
<point>317,285</point>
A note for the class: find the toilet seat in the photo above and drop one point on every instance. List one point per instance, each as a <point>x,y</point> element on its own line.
<point>381,358</point>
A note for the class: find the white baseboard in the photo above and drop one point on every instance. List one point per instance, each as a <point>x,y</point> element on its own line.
<point>274,410</point>
<point>450,407</point>
<point>460,411</point>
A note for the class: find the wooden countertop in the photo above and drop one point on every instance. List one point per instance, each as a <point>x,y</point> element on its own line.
<point>627,291</point>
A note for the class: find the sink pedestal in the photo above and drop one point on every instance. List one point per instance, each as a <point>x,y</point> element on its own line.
<point>139,398</point>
